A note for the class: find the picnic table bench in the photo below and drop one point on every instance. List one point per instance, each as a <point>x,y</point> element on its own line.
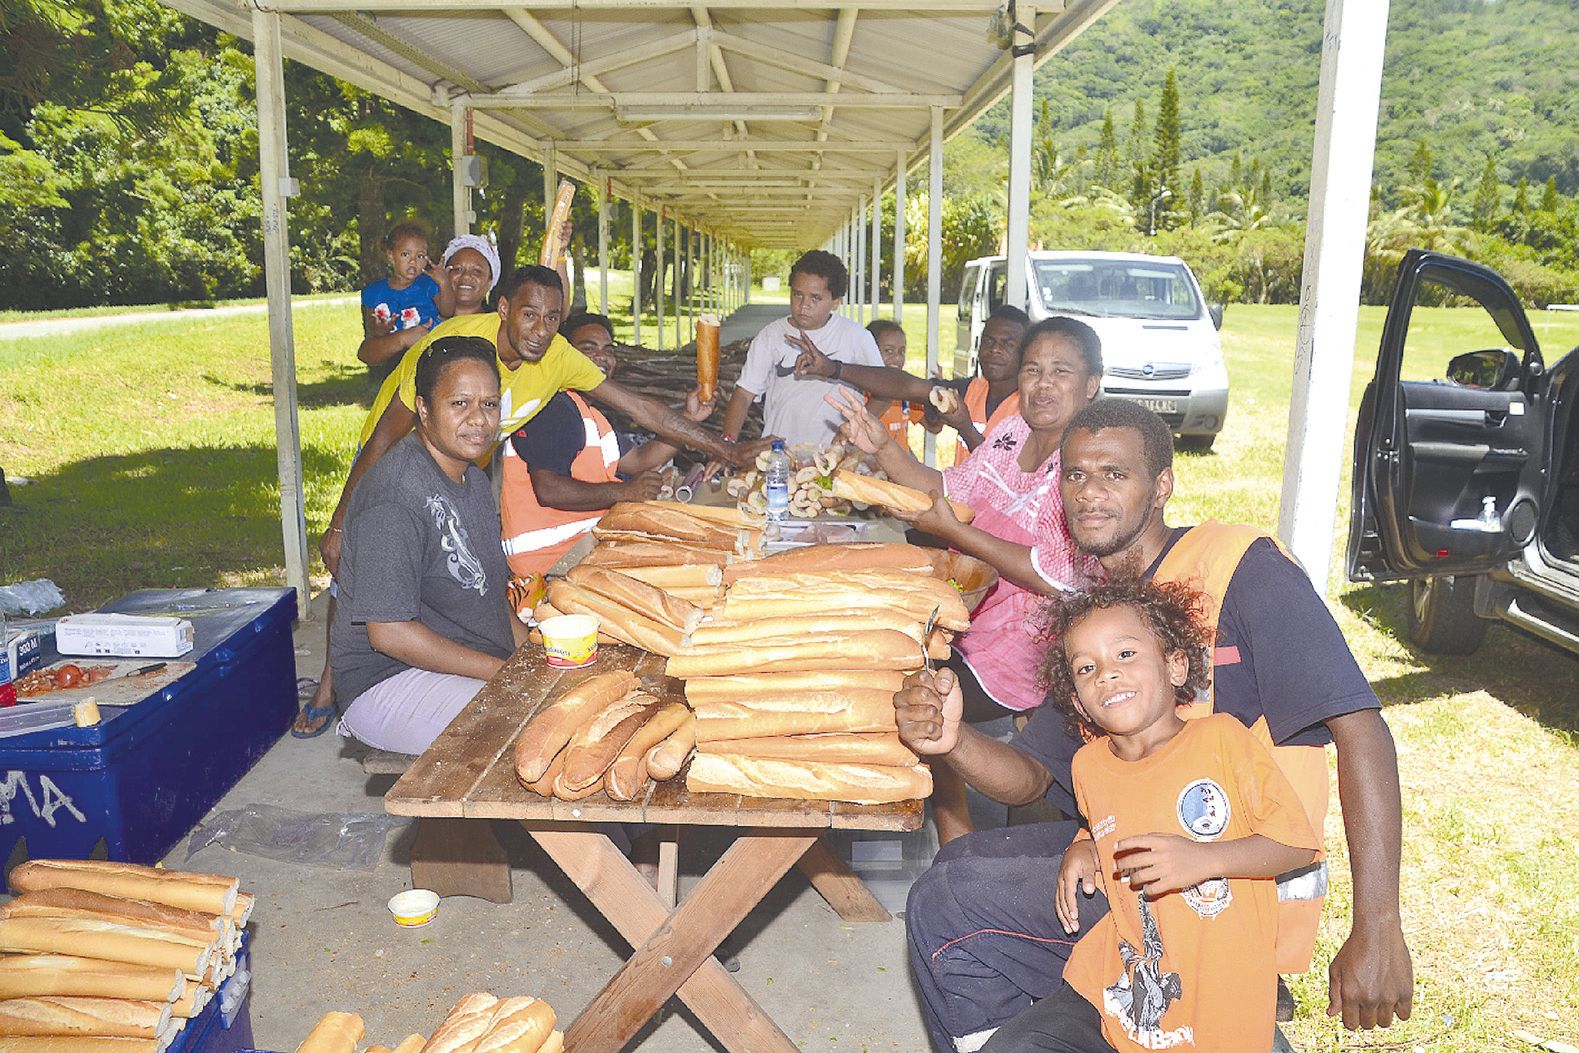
<point>469,773</point>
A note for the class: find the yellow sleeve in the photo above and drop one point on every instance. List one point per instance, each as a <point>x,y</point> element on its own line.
<point>573,370</point>
<point>407,370</point>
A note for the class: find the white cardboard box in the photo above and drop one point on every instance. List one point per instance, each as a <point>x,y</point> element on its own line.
<point>123,635</point>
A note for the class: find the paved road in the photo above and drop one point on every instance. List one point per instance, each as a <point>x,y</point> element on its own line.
<point>57,326</point>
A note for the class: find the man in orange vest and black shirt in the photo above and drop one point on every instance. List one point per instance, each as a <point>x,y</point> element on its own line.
<point>565,467</point>
<point>982,400</point>
<point>984,939</point>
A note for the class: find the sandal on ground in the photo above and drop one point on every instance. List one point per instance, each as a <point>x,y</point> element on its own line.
<point>313,714</point>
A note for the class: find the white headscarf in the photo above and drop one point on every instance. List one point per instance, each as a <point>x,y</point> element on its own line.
<point>480,244</point>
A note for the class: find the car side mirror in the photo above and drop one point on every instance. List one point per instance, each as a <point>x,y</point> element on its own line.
<point>1214,311</point>
<point>1489,369</point>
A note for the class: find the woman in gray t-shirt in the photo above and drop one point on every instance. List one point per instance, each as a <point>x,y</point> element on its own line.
<point>423,621</point>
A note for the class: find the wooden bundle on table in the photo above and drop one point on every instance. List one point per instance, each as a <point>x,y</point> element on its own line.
<point>98,950</point>
<point>604,733</point>
<point>479,1023</point>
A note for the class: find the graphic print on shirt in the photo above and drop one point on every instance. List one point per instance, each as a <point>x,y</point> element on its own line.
<point>459,559</point>
<point>1144,992</point>
<point>1204,810</point>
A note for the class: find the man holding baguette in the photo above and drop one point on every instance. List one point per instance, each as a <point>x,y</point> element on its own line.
<point>984,938</point>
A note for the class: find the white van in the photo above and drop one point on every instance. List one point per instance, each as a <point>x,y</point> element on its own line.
<point>1159,336</point>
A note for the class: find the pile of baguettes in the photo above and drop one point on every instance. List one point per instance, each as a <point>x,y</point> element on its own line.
<point>112,957</point>
<point>479,1023</point>
<point>604,733</point>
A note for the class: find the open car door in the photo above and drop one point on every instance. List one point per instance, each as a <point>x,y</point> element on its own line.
<point>1449,449</point>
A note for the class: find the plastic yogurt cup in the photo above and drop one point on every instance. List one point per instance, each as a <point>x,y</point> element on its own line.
<point>570,640</point>
<point>413,907</point>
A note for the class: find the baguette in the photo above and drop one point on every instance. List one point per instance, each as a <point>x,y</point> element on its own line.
<point>108,940</point>
<point>677,576</point>
<point>628,773</point>
<point>646,553</point>
<point>598,742</point>
<point>618,621</point>
<point>554,1044</point>
<point>108,1017</point>
<point>665,760</point>
<point>707,330</point>
<point>817,559</point>
<point>723,515</point>
<point>519,1025</point>
<point>820,624</point>
<point>567,793</point>
<point>241,913</point>
<point>411,1044</point>
<point>807,780</point>
<point>660,520</point>
<point>544,787</point>
<point>792,595</point>
<point>29,975</point>
<point>875,649</point>
<point>552,728</point>
<point>803,714</point>
<point>80,1044</point>
<point>191,1003</point>
<point>197,927</point>
<point>868,490</point>
<point>467,1021</point>
<point>638,596</point>
<point>883,749</point>
<point>209,893</point>
<point>753,685</point>
<point>334,1033</point>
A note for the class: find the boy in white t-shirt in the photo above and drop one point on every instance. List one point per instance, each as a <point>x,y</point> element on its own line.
<point>794,408</point>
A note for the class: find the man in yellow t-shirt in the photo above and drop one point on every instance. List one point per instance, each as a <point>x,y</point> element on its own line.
<point>535,363</point>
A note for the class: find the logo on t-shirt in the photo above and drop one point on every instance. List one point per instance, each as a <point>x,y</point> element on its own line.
<point>1204,810</point>
<point>459,560</point>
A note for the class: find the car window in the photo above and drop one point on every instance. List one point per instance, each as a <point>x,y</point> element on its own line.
<point>1129,289</point>
<point>1444,324</point>
<point>967,291</point>
<point>997,284</point>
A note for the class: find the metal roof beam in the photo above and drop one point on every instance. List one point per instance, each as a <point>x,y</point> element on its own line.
<point>834,75</point>
<point>702,101</point>
<point>410,7</point>
<point>871,146</point>
<point>570,74</point>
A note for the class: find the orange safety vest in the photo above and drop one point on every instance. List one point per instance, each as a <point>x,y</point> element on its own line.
<point>897,418</point>
<point>976,406</point>
<point>1205,559</point>
<point>536,536</point>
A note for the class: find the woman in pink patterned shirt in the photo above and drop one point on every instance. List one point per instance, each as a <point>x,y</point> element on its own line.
<point>1011,480</point>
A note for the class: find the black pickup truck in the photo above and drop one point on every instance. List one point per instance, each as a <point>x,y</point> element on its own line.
<point>1466,463</point>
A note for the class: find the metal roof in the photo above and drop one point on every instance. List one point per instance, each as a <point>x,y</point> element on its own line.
<point>763,122</point>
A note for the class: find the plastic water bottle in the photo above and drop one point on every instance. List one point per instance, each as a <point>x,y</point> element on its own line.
<point>776,483</point>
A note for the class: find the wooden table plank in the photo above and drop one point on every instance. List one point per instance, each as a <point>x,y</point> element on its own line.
<point>837,883</point>
<point>623,897</point>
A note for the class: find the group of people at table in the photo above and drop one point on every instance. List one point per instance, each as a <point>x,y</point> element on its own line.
<point>1175,687</point>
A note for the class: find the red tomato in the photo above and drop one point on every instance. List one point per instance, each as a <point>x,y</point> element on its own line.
<point>68,676</point>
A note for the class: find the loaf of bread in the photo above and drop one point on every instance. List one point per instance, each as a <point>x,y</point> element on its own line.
<point>619,621</point>
<point>467,1021</point>
<point>547,733</point>
<point>797,595</point>
<point>669,521</point>
<point>29,975</point>
<point>874,649</point>
<point>563,792</point>
<point>107,940</point>
<point>819,559</point>
<point>107,1017</point>
<point>879,748</point>
<point>543,786</point>
<point>334,1033</point>
<point>638,596</point>
<point>759,685</point>
<point>628,774</point>
<point>598,742</point>
<point>411,1044</point>
<point>665,760</point>
<point>675,576</point>
<point>195,926</point>
<point>808,713</point>
<point>645,553</point>
<point>872,491</point>
<point>209,893</point>
<point>519,1025</point>
<point>823,623</point>
<point>555,1043</point>
<point>806,780</point>
<point>81,1044</point>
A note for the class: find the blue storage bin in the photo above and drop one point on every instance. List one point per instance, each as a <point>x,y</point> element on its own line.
<point>225,1024</point>
<point>131,787</point>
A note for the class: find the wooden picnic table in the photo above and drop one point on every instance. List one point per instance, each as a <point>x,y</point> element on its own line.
<point>469,772</point>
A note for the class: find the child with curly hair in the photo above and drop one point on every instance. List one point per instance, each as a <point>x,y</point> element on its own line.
<point>1190,822</point>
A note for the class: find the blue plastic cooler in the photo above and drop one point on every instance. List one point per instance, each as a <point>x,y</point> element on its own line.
<point>129,788</point>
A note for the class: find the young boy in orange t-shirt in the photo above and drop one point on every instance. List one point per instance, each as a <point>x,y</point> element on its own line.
<point>1190,823</point>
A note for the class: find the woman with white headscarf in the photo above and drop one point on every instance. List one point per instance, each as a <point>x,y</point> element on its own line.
<point>473,264</point>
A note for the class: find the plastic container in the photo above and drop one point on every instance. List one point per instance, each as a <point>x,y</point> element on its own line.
<point>225,1024</point>
<point>776,483</point>
<point>570,641</point>
<point>131,786</point>
<point>414,907</point>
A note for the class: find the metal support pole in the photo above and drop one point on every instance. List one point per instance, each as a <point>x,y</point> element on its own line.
<point>277,186</point>
<point>1020,158</point>
<point>662,276</point>
<point>934,257</point>
<point>679,285</point>
<point>459,148</point>
<point>636,255</point>
<point>1353,43</point>
<point>859,271</point>
<point>877,243</point>
<point>899,239</point>
<point>603,244</point>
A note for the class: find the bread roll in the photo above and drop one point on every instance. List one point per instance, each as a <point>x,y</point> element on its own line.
<point>803,714</point>
<point>201,929</point>
<point>598,742</point>
<point>678,576</point>
<point>823,623</point>
<point>618,621</point>
<point>109,1017</point>
<point>411,1044</point>
<point>28,975</point>
<point>875,649</point>
<point>754,685</point>
<point>871,491</point>
<point>806,780</point>
<point>796,595</point>
<point>638,596</point>
<point>466,1023</point>
<point>665,760</point>
<point>548,732</point>
<point>519,1025</point>
<point>883,749</point>
<point>944,399</point>
<point>80,1044</point>
<point>818,559</point>
<point>334,1033</point>
<point>628,774</point>
<point>209,893</point>
<point>108,940</point>
<point>644,553</point>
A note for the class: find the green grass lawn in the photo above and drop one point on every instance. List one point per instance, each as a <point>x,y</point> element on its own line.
<point>151,451</point>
